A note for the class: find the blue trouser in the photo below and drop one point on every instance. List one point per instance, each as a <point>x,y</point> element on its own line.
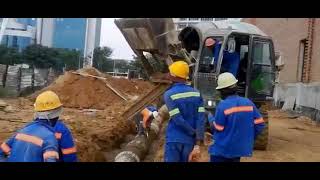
<point>214,158</point>
<point>177,152</point>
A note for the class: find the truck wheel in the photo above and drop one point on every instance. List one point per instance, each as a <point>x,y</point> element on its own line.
<point>261,142</point>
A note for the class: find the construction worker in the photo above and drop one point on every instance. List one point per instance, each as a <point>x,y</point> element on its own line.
<point>231,58</point>
<point>67,148</point>
<point>36,142</point>
<point>237,122</point>
<point>185,131</point>
<point>144,119</point>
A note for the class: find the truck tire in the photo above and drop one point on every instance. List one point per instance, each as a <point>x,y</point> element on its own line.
<point>261,142</point>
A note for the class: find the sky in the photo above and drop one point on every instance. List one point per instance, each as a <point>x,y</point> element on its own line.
<point>112,37</point>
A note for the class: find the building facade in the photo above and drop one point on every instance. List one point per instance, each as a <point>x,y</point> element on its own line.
<point>82,34</point>
<point>17,32</point>
<point>181,23</point>
<point>298,41</point>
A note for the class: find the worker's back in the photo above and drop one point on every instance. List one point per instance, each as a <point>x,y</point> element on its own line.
<point>235,119</point>
<point>31,143</point>
<point>187,100</point>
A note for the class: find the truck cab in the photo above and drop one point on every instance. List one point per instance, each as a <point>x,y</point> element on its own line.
<point>253,55</point>
<point>252,52</point>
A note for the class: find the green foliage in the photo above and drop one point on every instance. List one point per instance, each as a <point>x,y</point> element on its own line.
<point>103,62</point>
<point>42,57</point>
<point>72,59</point>
<point>9,55</point>
<point>136,64</point>
<point>101,56</point>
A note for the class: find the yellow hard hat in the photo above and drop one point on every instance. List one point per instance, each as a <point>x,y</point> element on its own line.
<point>226,80</point>
<point>47,101</point>
<point>179,69</point>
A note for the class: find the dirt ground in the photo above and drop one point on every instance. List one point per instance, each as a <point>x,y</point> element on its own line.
<point>92,111</point>
<point>95,132</point>
<point>101,134</point>
<point>290,140</point>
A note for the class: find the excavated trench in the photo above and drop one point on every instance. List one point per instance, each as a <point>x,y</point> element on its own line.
<point>92,111</point>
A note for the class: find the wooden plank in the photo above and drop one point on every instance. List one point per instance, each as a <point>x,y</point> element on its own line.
<point>155,93</point>
<point>107,84</point>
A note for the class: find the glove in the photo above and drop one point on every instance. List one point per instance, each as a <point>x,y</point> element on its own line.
<point>195,154</point>
<point>147,121</point>
<point>155,114</point>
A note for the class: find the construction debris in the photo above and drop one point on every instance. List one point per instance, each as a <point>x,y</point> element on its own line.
<point>2,104</point>
<point>5,107</point>
<point>8,109</point>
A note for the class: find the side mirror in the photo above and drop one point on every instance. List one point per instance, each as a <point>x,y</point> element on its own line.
<point>279,62</point>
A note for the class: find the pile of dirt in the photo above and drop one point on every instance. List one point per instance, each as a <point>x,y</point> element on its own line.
<point>99,132</point>
<point>96,123</point>
<point>77,91</point>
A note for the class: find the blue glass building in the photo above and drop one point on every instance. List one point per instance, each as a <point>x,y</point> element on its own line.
<point>18,41</point>
<point>69,33</point>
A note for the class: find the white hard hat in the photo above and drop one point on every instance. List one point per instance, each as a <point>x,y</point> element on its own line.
<point>226,80</point>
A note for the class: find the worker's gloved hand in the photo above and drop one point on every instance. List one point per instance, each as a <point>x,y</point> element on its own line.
<point>147,121</point>
<point>195,154</point>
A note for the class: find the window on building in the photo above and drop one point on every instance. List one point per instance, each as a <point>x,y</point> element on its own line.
<point>15,41</point>
<point>193,19</point>
<point>206,19</point>
<point>182,19</point>
<point>220,19</point>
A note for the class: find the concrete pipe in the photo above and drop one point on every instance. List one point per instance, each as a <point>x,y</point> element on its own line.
<point>138,148</point>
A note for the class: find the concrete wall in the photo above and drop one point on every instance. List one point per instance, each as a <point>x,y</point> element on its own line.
<point>18,80</point>
<point>299,97</point>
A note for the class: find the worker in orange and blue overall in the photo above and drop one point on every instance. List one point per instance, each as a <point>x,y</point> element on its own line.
<point>185,130</point>
<point>237,122</point>
<point>231,58</point>
<point>67,148</point>
<point>144,119</point>
<point>36,142</point>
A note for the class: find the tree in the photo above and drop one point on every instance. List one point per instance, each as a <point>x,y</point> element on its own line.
<point>71,59</point>
<point>101,56</point>
<point>136,64</point>
<point>9,55</point>
<point>40,56</point>
<point>44,57</point>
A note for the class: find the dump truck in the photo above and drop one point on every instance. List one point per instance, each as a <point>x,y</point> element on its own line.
<point>153,39</point>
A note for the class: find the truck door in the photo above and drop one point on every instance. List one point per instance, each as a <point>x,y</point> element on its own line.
<point>261,70</point>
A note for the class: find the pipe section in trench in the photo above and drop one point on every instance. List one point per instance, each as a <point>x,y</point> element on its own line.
<point>137,149</point>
